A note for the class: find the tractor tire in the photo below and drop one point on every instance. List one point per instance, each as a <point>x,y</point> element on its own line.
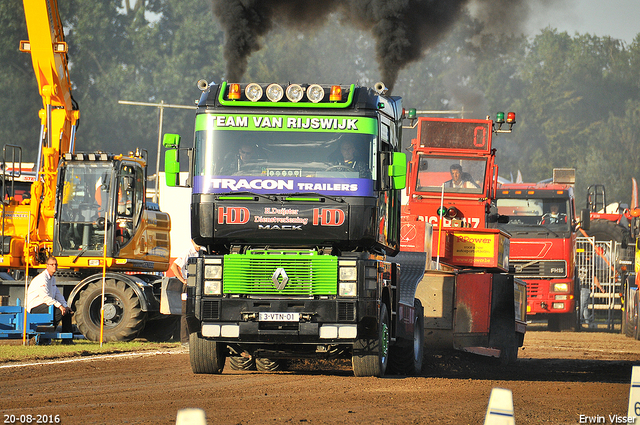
<point>242,363</point>
<point>123,315</point>
<point>205,355</point>
<point>268,365</point>
<point>371,356</point>
<point>605,230</point>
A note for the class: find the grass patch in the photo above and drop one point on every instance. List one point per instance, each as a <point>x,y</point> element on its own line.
<point>14,351</point>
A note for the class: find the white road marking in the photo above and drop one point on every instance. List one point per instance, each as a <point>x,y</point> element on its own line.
<point>90,358</point>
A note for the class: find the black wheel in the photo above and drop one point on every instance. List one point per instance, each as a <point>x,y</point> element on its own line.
<point>205,355</point>
<point>123,316</point>
<point>418,339</point>
<point>405,357</point>
<point>577,325</point>
<point>268,365</point>
<point>553,323</point>
<point>563,322</point>
<point>371,356</point>
<point>605,230</point>
<point>242,363</point>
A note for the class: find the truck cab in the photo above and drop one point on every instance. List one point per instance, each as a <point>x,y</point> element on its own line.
<point>543,227</point>
<point>296,201</point>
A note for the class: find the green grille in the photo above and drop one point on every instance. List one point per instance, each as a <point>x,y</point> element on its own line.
<point>308,273</point>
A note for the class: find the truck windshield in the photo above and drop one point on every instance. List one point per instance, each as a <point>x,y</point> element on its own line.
<point>85,197</point>
<point>534,213</point>
<point>327,161</point>
<point>457,174</point>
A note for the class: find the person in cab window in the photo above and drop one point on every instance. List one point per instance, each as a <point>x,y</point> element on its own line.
<point>234,161</point>
<point>554,216</point>
<point>459,179</point>
<point>349,159</point>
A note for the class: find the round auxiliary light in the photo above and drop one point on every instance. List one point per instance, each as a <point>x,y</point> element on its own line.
<point>295,92</point>
<point>442,211</point>
<point>315,93</point>
<point>500,117</point>
<point>511,117</point>
<point>253,92</point>
<point>452,212</point>
<point>274,92</point>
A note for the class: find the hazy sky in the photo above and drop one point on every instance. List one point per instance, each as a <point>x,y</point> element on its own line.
<point>616,18</point>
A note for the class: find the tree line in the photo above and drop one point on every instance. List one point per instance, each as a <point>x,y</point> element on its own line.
<point>575,95</point>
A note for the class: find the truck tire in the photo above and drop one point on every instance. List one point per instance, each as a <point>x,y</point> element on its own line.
<point>405,357</point>
<point>205,355</point>
<point>563,322</point>
<point>371,356</point>
<point>418,339</point>
<point>242,363</point>
<point>123,316</point>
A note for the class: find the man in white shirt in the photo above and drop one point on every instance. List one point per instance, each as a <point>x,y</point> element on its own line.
<point>43,292</point>
<point>179,269</point>
<point>458,179</point>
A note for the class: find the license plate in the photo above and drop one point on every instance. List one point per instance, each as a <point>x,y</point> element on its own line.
<point>279,317</point>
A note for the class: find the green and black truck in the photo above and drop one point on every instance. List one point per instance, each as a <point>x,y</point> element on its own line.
<point>296,202</point>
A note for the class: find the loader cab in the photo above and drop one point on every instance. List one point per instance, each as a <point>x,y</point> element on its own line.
<point>99,201</point>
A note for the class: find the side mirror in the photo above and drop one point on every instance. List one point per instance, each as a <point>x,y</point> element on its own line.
<point>171,141</point>
<point>585,219</point>
<point>398,170</point>
<point>171,159</point>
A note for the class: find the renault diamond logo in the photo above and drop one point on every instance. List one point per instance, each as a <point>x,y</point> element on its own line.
<point>280,279</point>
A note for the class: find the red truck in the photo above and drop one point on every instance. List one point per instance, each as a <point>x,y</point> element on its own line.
<point>543,228</point>
<point>470,302</point>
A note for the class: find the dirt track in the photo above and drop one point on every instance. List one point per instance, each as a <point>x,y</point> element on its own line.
<point>558,377</point>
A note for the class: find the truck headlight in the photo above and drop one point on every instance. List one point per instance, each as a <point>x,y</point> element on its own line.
<point>348,273</point>
<point>212,287</point>
<point>348,278</point>
<point>348,289</point>
<point>560,287</point>
<point>213,271</point>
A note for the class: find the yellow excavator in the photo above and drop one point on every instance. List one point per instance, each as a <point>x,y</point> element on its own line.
<point>88,209</point>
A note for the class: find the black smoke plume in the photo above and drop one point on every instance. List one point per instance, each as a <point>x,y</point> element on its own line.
<point>403,29</point>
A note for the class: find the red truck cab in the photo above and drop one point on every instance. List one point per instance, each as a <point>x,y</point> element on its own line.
<point>543,225</point>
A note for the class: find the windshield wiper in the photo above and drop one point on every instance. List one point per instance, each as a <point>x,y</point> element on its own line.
<point>333,198</point>
<point>259,195</point>
<point>80,253</point>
